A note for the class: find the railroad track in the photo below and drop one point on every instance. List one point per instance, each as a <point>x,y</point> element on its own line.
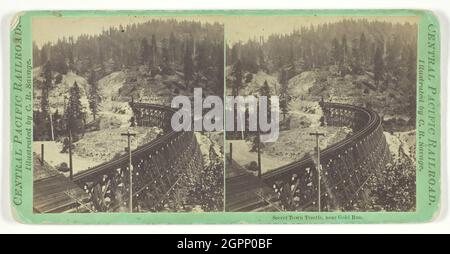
<point>373,122</point>
<point>347,165</point>
<point>160,161</point>
<point>156,165</point>
<point>138,151</point>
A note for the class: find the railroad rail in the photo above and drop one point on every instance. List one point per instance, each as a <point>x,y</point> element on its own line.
<point>346,167</point>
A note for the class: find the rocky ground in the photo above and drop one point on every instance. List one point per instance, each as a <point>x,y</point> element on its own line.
<point>104,145</point>
<point>294,144</point>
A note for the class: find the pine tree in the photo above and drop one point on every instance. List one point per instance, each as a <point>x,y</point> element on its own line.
<point>74,110</point>
<point>336,52</point>
<point>411,76</point>
<point>261,60</point>
<point>393,50</point>
<point>355,57</point>
<point>153,52</point>
<point>378,66</point>
<point>71,56</point>
<point>238,75</point>
<point>411,65</point>
<point>284,94</point>
<point>188,63</point>
<point>44,54</point>
<point>220,69</point>
<point>363,48</point>
<point>344,48</point>
<point>36,55</point>
<point>249,59</point>
<point>46,86</point>
<point>144,57</point>
<point>234,54</point>
<point>42,128</point>
<point>264,90</point>
<point>94,97</point>
<point>165,55</point>
<point>292,55</point>
<point>59,62</point>
<point>101,60</point>
<point>201,59</point>
<point>58,123</point>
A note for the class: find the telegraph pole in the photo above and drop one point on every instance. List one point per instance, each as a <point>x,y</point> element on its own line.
<point>129,135</point>
<point>64,107</point>
<point>51,126</point>
<point>42,154</point>
<point>317,134</point>
<point>69,140</point>
<point>231,153</point>
<point>258,140</point>
<point>70,155</point>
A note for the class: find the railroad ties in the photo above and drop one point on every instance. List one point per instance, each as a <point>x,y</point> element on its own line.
<point>53,192</point>
<point>158,166</point>
<point>246,192</point>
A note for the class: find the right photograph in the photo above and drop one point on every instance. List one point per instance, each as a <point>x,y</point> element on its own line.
<point>344,93</point>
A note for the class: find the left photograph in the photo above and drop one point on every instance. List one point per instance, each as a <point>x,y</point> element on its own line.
<point>103,88</point>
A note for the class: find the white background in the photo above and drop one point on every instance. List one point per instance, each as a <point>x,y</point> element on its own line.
<point>8,8</point>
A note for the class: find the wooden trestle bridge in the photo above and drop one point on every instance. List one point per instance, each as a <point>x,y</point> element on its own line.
<point>346,168</point>
<point>157,167</point>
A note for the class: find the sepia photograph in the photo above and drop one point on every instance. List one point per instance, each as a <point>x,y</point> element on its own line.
<point>345,88</point>
<point>319,114</point>
<point>103,140</point>
<point>214,117</point>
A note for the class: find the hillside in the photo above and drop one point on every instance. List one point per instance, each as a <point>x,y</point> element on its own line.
<point>393,102</point>
<point>290,148</point>
<point>104,145</point>
<point>304,112</point>
<point>59,93</point>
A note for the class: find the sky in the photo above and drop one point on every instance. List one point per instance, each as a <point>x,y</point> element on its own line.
<point>256,26</point>
<point>50,29</point>
<point>237,28</point>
